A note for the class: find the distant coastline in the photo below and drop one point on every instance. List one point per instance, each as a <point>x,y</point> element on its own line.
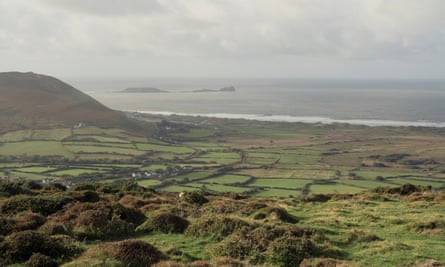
<point>152,90</point>
<point>304,119</point>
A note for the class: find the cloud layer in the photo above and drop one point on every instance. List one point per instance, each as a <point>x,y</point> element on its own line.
<point>347,34</point>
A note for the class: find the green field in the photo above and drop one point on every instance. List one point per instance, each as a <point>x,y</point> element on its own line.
<point>148,183</point>
<point>32,148</point>
<point>227,179</point>
<point>162,148</point>
<point>334,188</point>
<point>278,157</point>
<point>280,183</point>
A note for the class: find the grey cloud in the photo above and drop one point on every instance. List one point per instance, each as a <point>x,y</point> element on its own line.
<point>226,31</point>
<point>108,7</point>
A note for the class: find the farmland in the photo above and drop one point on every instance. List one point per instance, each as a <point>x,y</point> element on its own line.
<point>258,158</point>
<point>223,192</point>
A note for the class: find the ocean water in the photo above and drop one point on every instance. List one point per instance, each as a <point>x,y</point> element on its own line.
<point>368,102</point>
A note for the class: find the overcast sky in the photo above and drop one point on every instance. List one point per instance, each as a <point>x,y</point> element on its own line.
<point>224,38</point>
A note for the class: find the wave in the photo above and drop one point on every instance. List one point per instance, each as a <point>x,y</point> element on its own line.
<point>304,119</point>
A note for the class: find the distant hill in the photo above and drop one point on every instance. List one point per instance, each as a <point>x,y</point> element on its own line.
<point>29,100</point>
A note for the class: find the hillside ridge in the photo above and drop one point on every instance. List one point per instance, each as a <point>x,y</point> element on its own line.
<point>30,100</point>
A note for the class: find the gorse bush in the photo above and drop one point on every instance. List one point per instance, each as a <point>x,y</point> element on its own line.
<point>290,251</point>
<point>19,247</point>
<point>275,214</point>
<point>85,196</point>
<point>130,215</point>
<point>8,188</point>
<point>44,205</point>
<point>132,253</point>
<point>194,197</point>
<point>220,226</point>
<point>164,222</point>
<point>253,244</point>
<point>40,260</point>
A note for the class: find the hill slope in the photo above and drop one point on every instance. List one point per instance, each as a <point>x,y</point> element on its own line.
<point>34,100</point>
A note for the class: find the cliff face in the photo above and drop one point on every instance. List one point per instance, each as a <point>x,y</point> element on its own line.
<point>33,100</point>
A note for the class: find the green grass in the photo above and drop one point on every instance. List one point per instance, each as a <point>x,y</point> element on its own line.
<point>220,188</point>
<point>196,133</point>
<point>103,149</point>
<point>40,169</point>
<point>85,143</point>
<point>389,220</point>
<point>16,136</point>
<point>179,188</point>
<point>31,148</point>
<point>28,176</point>
<point>93,130</point>
<point>227,179</point>
<point>148,183</point>
<point>363,183</point>
<point>334,188</point>
<point>219,157</point>
<point>99,139</point>
<point>191,176</point>
<point>274,133</point>
<point>75,172</point>
<point>162,148</point>
<point>280,183</point>
<point>95,157</point>
<point>272,192</point>
<point>195,247</point>
<point>155,167</point>
<point>311,157</point>
<point>417,181</point>
<point>51,134</point>
<point>204,145</point>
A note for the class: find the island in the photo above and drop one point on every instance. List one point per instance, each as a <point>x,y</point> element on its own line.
<point>143,90</point>
<point>224,89</point>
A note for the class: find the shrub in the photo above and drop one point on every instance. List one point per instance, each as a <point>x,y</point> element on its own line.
<point>8,188</point>
<point>38,204</point>
<point>128,214</point>
<point>253,244</point>
<point>53,228</point>
<point>85,196</point>
<point>84,186</point>
<point>132,201</point>
<point>219,226</point>
<point>194,197</point>
<point>165,222</point>
<point>19,247</point>
<point>40,260</point>
<point>29,221</point>
<point>132,253</point>
<point>290,251</point>
<point>405,189</point>
<point>275,214</point>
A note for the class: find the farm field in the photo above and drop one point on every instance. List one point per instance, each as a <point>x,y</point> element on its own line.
<point>350,195</point>
<point>259,158</point>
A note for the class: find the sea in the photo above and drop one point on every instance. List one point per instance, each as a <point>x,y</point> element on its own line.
<point>355,101</point>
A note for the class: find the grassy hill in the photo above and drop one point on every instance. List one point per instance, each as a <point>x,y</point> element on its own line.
<point>125,225</point>
<point>29,100</point>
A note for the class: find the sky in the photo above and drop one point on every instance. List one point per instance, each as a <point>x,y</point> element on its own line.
<point>400,39</point>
